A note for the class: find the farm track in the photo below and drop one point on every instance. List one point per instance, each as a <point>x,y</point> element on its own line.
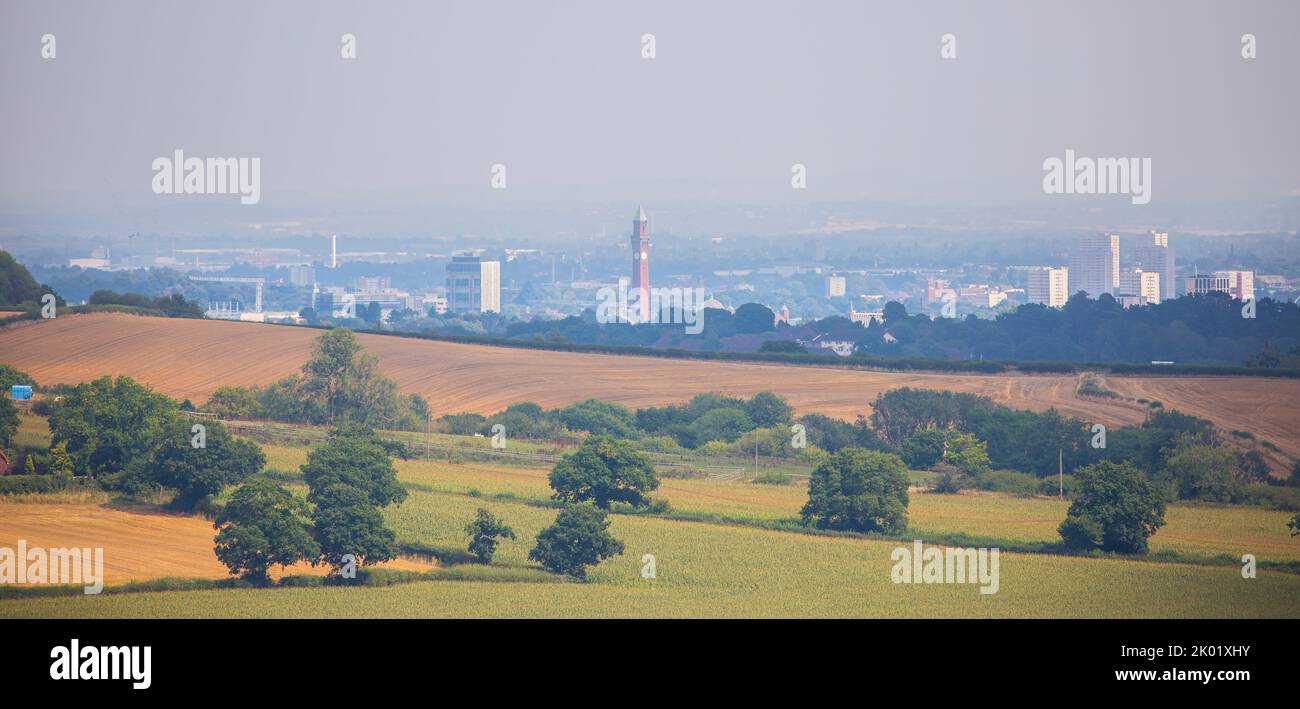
<point>189,359</point>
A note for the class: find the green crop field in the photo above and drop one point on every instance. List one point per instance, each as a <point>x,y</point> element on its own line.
<point>721,570</point>
<point>723,548</point>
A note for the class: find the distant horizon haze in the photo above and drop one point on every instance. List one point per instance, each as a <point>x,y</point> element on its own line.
<point>405,136</point>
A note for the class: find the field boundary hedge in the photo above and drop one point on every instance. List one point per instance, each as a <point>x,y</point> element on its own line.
<point>856,361</point>
<point>35,484</point>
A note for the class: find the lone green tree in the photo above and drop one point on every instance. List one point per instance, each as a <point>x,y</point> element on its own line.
<point>1115,509</point>
<point>349,478</point>
<point>484,533</point>
<point>60,461</point>
<point>200,472</point>
<point>262,525</point>
<point>333,362</point>
<point>604,470</point>
<point>767,410</point>
<point>578,538</point>
<point>355,460</point>
<point>347,523</point>
<point>858,490</point>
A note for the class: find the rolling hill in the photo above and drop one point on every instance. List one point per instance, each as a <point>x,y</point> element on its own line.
<point>191,358</point>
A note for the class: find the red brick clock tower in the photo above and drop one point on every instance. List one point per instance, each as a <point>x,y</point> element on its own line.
<point>641,262</point>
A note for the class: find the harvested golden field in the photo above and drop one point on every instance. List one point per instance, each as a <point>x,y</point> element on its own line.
<point>191,358</point>
<point>711,570</point>
<point>138,544</point>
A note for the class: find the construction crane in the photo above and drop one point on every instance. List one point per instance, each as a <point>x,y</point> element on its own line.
<point>257,308</point>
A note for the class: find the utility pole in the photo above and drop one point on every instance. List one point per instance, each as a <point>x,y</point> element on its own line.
<point>1060,473</point>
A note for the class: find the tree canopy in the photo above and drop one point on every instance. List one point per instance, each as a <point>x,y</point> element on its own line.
<point>1115,508</point>
<point>604,470</point>
<point>197,473</point>
<point>108,424</point>
<point>485,531</point>
<point>356,460</point>
<point>262,525</point>
<point>578,538</point>
<point>858,490</point>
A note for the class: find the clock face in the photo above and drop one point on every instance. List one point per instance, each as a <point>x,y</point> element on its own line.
<point>644,255</point>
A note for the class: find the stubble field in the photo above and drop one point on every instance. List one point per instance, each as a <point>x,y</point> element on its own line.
<point>720,551</point>
<point>189,359</point>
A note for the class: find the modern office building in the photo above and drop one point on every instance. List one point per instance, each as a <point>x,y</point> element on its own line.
<point>302,274</point>
<point>1094,264</point>
<point>373,284</point>
<point>1049,286</point>
<point>937,290</point>
<point>981,295</point>
<point>1202,283</point>
<point>1143,286</point>
<point>473,285</point>
<point>1241,284</point>
<point>1155,254</point>
<point>835,287</point>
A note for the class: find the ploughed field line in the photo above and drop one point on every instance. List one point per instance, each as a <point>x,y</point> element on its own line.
<point>189,359</point>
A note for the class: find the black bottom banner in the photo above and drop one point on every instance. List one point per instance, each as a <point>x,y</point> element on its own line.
<point>181,658</point>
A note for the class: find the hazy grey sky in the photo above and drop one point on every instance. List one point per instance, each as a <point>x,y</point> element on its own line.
<point>559,93</point>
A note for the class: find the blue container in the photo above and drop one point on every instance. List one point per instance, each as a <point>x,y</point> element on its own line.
<point>20,392</point>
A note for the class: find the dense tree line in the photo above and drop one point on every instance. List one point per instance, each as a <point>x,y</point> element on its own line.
<point>1193,329</point>
<point>173,306</point>
<point>17,286</point>
<point>1197,329</point>
<point>706,417</point>
<point>338,384</point>
<point>1184,455</point>
<point>131,439</point>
